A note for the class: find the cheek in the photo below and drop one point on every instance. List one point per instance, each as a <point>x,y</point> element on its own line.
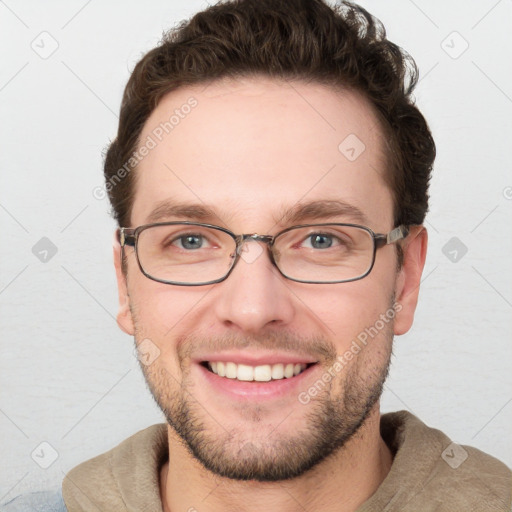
<point>164,313</point>
<point>344,311</point>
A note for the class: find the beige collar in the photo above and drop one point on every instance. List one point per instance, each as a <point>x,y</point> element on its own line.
<point>423,475</point>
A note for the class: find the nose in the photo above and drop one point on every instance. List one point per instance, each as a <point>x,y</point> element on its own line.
<point>254,296</point>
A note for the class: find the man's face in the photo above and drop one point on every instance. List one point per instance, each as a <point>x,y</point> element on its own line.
<point>250,151</point>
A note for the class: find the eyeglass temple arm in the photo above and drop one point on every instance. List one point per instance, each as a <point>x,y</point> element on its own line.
<point>126,236</point>
<point>393,236</point>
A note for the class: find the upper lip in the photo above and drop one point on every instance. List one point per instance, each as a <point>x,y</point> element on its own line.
<point>255,358</point>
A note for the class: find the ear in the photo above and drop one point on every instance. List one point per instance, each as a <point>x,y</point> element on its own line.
<point>124,315</point>
<point>409,278</point>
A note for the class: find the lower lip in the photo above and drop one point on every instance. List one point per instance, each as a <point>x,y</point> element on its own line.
<point>257,390</point>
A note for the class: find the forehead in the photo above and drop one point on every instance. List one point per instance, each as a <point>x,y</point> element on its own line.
<point>253,147</point>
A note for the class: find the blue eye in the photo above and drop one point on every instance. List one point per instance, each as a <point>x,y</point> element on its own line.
<point>321,241</point>
<point>190,241</point>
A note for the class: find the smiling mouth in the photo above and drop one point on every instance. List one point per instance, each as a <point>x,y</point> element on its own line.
<point>260,373</point>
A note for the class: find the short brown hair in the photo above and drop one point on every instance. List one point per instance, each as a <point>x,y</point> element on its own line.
<point>308,40</point>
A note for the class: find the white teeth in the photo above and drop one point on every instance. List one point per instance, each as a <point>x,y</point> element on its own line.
<point>278,371</point>
<point>244,372</point>
<point>288,370</point>
<point>262,373</point>
<point>231,370</point>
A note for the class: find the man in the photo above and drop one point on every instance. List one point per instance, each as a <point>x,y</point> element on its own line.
<point>269,179</point>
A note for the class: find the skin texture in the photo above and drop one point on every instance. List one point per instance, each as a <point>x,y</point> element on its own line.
<point>251,150</point>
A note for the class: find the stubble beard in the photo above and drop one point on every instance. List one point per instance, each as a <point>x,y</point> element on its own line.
<point>334,416</point>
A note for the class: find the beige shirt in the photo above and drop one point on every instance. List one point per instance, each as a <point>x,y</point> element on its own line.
<point>429,473</point>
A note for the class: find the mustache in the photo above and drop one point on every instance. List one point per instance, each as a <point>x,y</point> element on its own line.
<point>316,347</point>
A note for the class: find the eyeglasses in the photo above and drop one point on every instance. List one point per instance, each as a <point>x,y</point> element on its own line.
<point>195,254</point>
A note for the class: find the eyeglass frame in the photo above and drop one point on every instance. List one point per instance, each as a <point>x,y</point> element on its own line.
<point>130,236</point>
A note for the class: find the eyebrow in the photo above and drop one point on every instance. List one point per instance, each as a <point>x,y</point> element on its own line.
<point>322,210</point>
<point>194,211</point>
<point>301,212</point>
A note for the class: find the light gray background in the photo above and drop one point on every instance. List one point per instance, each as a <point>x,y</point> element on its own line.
<point>68,375</point>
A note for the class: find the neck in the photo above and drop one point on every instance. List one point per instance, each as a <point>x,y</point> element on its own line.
<point>342,482</point>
